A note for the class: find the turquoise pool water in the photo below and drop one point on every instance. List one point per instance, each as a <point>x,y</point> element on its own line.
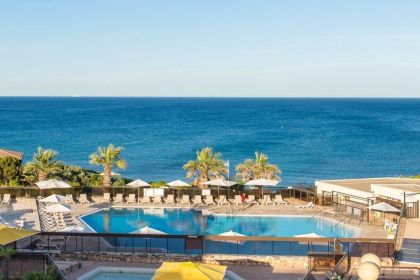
<point>192,222</point>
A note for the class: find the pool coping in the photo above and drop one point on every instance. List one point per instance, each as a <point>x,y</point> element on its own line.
<point>88,275</point>
<point>356,230</point>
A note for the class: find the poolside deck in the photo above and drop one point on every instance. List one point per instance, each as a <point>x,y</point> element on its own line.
<point>25,209</point>
<point>246,272</point>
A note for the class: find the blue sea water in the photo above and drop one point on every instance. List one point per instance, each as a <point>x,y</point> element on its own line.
<point>176,221</point>
<point>308,138</point>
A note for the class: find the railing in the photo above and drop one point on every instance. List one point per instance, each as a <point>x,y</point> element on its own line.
<point>58,273</point>
<point>341,268</point>
<point>198,245</point>
<point>23,263</point>
<point>399,271</point>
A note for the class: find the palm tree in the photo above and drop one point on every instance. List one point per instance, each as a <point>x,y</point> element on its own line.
<point>44,164</point>
<point>207,166</point>
<point>259,168</point>
<point>108,157</point>
<point>6,254</point>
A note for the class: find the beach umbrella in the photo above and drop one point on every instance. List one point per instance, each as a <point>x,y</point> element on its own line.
<point>138,184</point>
<point>384,207</point>
<point>57,208</point>
<point>189,271</point>
<point>232,233</point>
<point>73,228</point>
<point>312,235</point>
<point>54,198</point>
<point>52,184</point>
<point>262,183</point>
<point>10,234</point>
<point>220,183</point>
<point>178,184</point>
<point>148,230</point>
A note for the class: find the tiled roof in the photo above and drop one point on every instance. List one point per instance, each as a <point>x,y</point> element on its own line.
<point>8,153</point>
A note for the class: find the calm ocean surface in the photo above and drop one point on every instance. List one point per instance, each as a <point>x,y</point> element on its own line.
<point>308,138</point>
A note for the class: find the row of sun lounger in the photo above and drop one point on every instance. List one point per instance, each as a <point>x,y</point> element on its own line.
<point>185,200</point>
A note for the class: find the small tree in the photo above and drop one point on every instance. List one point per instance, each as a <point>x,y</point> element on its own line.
<point>6,254</point>
<point>10,169</point>
<point>43,164</point>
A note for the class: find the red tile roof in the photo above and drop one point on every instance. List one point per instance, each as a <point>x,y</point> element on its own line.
<point>8,153</point>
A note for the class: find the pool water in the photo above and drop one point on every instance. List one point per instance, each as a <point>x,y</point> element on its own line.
<point>179,221</point>
<point>121,276</point>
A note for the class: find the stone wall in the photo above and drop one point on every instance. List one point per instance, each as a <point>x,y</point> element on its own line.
<point>287,261</point>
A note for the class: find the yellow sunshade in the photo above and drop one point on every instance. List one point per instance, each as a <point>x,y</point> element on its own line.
<point>9,234</point>
<point>189,271</point>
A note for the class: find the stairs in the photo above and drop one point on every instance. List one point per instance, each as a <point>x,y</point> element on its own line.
<point>410,251</point>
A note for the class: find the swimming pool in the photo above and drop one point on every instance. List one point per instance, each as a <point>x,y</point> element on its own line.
<point>178,221</point>
<point>130,273</point>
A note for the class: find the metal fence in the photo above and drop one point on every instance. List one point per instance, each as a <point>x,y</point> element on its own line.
<point>199,245</point>
<point>27,262</point>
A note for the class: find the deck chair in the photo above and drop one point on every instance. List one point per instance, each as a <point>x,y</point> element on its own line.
<point>107,197</point>
<point>268,201</point>
<point>131,198</point>
<point>223,201</point>
<point>119,198</point>
<point>185,199</point>
<point>198,200</point>
<point>6,199</point>
<point>309,205</point>
<point>238,200</point>
<point>83,199</point>
<point>209,200</point>
<point>278,199</point>
<point>170,199</point>
<point>157,199</point>
<point>69,199</point>
<point>145,200</point>
<point>251,200</point>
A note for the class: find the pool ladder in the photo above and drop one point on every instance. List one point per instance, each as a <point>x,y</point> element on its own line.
<point>344,221</point>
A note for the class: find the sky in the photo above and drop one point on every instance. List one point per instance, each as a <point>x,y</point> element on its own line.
<point>279,48</point>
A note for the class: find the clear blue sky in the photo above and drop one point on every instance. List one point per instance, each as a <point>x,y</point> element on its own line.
<point>210,48</point>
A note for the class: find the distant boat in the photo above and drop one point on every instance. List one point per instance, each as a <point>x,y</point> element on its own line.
<point>75,96</point>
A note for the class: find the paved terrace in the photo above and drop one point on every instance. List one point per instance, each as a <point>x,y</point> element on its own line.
<point>246,272</point>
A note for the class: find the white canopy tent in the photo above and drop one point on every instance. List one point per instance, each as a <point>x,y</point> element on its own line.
<point>178,184</point>
<point>148,230</point>
<point>312,235</point>
<point>57,208</point>
<point>138,184</point>
<point>384,207</point>
<point>54,198</point>
<point>220,183</point>
<point>262,183</point>
<point>232,233</point>
<point>52,184</point>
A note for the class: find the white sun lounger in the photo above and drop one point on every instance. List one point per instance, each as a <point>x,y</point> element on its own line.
<point>157,200</point>
<point>185,200</point>
<point>6,199</point>
<point>223,201</point>
<point>251,200</point>
<point>107,198</point>
<point>170,199</point>
<point>267,200</point>
<point>209,200</point>
<point>145,200</point>
<point>198,200</point>
<point>83,199</point>
<point>118,198</point>
<point>278,199</point>
<point>131,199</point>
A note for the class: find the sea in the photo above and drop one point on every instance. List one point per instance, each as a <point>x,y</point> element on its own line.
<point>309,139</point>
